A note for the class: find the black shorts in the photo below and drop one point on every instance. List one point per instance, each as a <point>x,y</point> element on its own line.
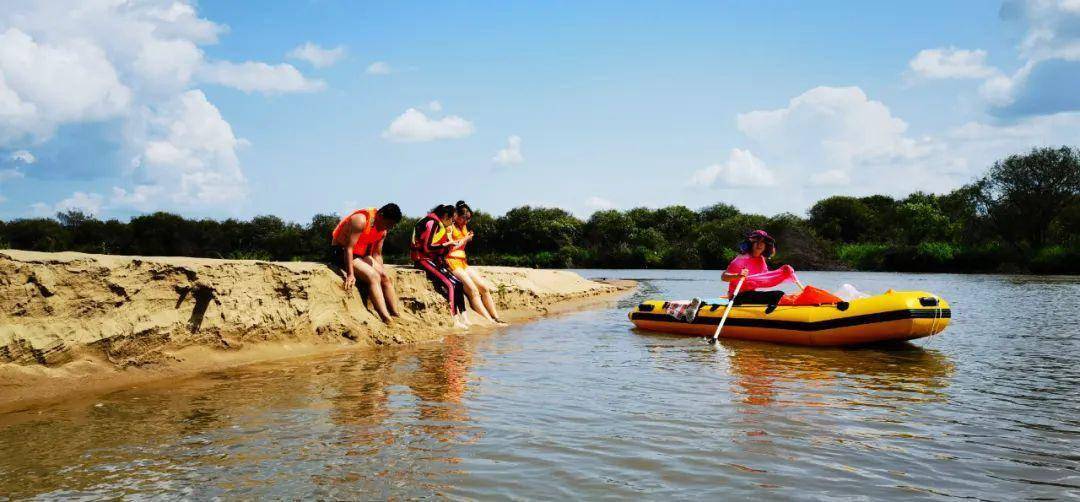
<point>759,298</point>
<point>336,256</point>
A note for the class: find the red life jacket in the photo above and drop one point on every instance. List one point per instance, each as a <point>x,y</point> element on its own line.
<point>368,237</point>
<point>429,230</point>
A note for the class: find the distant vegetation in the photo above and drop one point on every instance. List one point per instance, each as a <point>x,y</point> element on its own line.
<point>1022,216</point>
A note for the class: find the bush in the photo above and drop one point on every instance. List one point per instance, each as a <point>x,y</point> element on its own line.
<point>863,256</point>
<point>988,257</point>
<point>1056,260</point>
<point>936,253</point>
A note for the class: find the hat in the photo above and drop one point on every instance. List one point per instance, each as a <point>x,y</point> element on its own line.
<point>770,243</point>
<point>760,234</point>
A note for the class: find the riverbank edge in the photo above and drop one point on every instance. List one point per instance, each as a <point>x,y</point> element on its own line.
<point>73,323</point>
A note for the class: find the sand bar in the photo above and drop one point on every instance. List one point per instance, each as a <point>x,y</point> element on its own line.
<point>72,322</point>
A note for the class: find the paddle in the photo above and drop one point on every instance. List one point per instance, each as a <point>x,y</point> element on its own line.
<point>731,301</point>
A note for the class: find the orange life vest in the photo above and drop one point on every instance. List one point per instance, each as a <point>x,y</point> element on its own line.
<point>458,234</point>
<point>368,238</point>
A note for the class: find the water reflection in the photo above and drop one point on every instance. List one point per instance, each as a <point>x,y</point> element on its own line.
<point>896,375</point>
<point>377,407</point>
<point>578,406</point>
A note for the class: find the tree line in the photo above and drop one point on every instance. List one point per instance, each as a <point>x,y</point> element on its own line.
<point>1023,215</point>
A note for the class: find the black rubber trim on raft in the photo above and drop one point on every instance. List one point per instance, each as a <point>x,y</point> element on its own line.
<point>842,322</point>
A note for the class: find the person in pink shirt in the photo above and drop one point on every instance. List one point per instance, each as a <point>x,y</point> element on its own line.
<point>752,264</point>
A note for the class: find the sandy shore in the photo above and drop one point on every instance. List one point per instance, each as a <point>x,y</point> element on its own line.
<point>72,322</point>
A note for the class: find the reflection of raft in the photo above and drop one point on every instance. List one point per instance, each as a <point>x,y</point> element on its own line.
<point>893,316</point>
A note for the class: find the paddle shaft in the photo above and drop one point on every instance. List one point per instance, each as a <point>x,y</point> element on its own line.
<point>727,310</point>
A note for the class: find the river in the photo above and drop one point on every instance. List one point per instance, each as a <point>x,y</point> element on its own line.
<point>582,406</point>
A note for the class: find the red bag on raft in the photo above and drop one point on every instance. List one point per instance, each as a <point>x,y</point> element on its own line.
<point>811,296</point>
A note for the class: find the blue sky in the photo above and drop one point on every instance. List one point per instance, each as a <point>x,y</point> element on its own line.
<point>210,109</point>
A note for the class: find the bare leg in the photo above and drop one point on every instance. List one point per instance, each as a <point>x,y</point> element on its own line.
<point>365,272</point>
<point>484,288</point>
<point>472,293</point>
<point>389,294</point>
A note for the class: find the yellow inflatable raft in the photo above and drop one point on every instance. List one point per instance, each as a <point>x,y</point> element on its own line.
<point>893,316</point>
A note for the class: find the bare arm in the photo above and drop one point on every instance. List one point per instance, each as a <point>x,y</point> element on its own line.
<point>356,227</point>
<point>729,277</point>
<point>376,252</point>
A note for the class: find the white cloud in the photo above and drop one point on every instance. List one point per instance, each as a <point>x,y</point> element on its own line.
<point>951,63</point>
<point>254,76</point>
<point>19,157</point>
<point>827,138</point>
<point>1052,27</point>
<point>141,197</point>
<point>23,156</point>
<point>317,56</point>
<point>832,177</point>
<point>599,203</point>
<point>742,169</point>
<point>131,67</point>
<point>1050,61</point>
<point>189,148</point>
<point>36,86</point>
<point>511,154</point>
<point>165,67</point>
<point>413,127</point>
<point>88,203</point>
<point>832,127</point>
<point>435,106</point>
<point>379,68</point>
<point>982,143</point>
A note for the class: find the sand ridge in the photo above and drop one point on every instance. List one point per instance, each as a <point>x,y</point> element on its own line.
<point>75,317</point>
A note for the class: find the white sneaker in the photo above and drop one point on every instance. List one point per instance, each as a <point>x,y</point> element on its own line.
<point>691,310</point>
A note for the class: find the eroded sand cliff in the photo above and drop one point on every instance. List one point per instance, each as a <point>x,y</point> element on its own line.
<point>83,318</point>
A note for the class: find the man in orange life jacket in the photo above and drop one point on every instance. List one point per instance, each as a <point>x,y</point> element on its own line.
<point>357,248</point>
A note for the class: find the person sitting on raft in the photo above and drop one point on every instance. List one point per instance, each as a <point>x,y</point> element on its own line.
<point>356,246</point>
<point>758,247</point>
<point>430,245</point>
<point>477,289</point>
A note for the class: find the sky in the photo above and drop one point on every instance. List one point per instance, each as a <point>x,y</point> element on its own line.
<point>233,109</point>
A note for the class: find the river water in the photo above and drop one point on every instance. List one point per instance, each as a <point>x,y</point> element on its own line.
<point>582,406</point>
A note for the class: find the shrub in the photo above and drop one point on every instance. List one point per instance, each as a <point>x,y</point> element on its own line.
<point>1056,260</point>
<point>867,256</point>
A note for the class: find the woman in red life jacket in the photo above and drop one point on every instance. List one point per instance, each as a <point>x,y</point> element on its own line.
<point>751,264</point>
<point>477,289</point>
<point>356,247</point>
<point>430,244</point>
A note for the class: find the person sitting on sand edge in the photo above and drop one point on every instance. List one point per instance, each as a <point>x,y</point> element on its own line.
<point>357,244</point>
<point>431,242</point>
<point>477,289</point>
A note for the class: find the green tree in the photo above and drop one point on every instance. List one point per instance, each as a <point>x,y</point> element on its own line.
<point>841,218</point>
<point>607,236</point>
<point>717,241</point>
<point>525,230</point>
<point>717,212</point>
<point>1023,194</point>
<point>37,234</point>
<point>162,234</point>
<point>922,222</point>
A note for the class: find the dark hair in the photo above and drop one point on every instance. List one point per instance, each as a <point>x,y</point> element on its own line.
<point>390,213</point>
<point>746,246</point>
<point>443,211</point>
<point>461,208</point>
